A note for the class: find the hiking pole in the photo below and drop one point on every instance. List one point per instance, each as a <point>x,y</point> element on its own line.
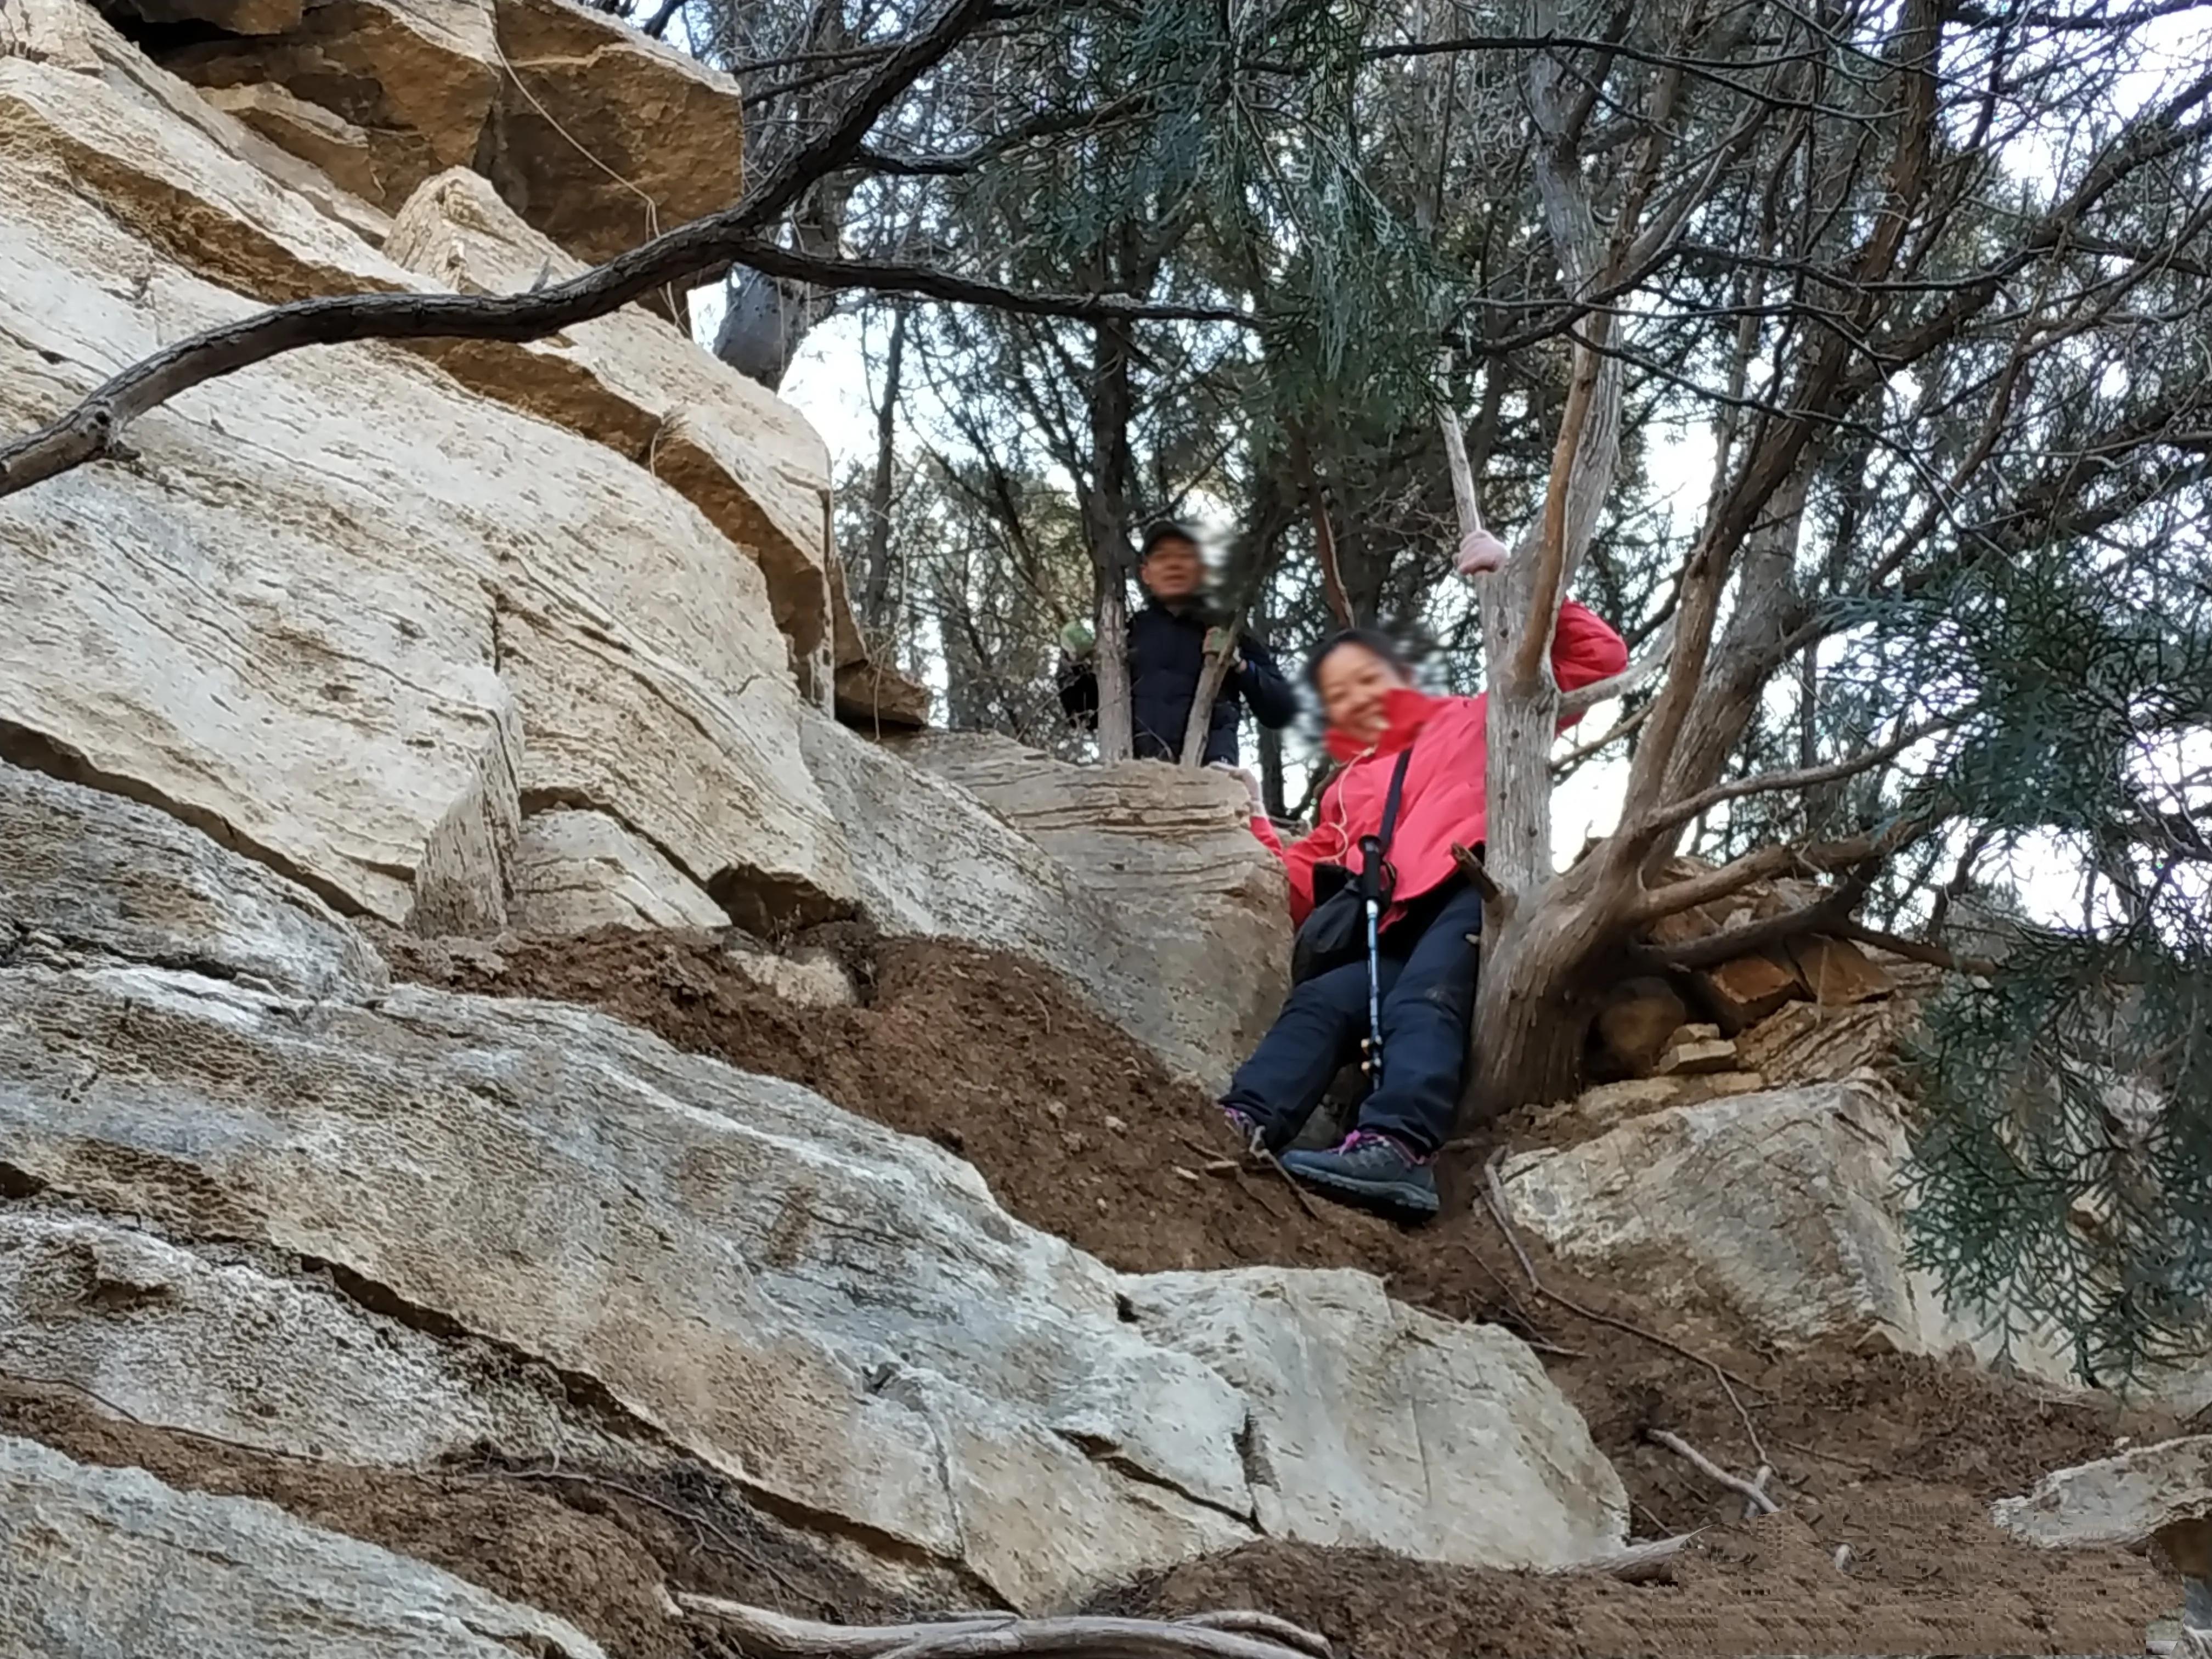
<point>1371,887</point>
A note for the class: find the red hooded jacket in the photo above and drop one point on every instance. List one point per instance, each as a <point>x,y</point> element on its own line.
<point>1443,801</point>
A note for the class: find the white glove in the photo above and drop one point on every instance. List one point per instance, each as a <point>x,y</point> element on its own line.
<point>1480,553</point>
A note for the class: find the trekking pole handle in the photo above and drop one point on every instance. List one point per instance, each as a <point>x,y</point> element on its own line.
<point>1371,866</point>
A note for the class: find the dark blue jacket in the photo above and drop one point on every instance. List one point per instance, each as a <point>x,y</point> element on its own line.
<point>1167,654</point>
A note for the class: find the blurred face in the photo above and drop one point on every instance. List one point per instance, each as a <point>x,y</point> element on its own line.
<point>1173,572</point>
<point>1355,688</point>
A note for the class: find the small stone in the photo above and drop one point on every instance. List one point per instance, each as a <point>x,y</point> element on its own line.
<point>1115,1125</point>
<point>1837,973</point>
<point>1698,1057</point>
<point>1054,1110</point>
<point>1743,992</point>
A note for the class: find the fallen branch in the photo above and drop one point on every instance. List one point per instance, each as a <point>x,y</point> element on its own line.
<point>1712,1471</point>
<point>1638,1563</point>
<point>1249,1623</point>
<point>1291,1181</point>
<point>1759,1477</point>
<point>1232,1635</point>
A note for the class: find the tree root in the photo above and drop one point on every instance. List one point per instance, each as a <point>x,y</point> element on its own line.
<point>1234,1634</point>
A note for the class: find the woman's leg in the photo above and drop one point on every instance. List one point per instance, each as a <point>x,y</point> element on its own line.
<point>1425,1032</point>
<point>1318,1031</point>
<point>1385,1161</point>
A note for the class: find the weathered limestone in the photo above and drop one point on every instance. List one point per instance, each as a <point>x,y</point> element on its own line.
<point>106,1562</point>
<point>240,1190</point>
<point>1168,851</point>
<point>2125,1500</point>
<point>734,450</point>
<point>1779,1211</point>
<point>1456,1447</point>
<point>625,106</point>
<point>305,130</point>
<point>355,586</point>
<point>598,135</point>
<point>2158,1495</point>
<point>85,873</point>
<point>115,132</point>
<point>575,870</point>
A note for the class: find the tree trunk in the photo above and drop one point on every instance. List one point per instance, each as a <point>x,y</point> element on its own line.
<point>1106,527</point>
<point>876,596</point>
<point>1117,728</point>
<point>1542,932</point>
<point>1271,774</point>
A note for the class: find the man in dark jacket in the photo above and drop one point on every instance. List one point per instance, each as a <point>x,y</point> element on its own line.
<point>1168,642</point>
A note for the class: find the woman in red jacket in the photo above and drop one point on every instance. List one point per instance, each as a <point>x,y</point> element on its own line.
<point>1428,951</point>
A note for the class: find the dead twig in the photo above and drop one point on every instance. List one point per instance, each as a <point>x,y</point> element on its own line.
<point>1290,1180</point>
<point>1477,877</point>
<point>1759,1477</point>
<point>1640,1562</point>
<point>1712,1471</point>
<point>1494,1198</point>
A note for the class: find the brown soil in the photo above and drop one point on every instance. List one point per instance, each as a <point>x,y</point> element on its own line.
<point>1769,1588</point>
<point>1078,1131</point>
<point>596,1555</point>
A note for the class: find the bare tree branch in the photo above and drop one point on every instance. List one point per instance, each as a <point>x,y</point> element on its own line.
<point>1680,812</point>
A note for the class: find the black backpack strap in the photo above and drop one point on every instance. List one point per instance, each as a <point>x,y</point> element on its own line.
<point>1390,801</point>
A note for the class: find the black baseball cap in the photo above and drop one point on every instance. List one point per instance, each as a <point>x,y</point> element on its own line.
<point>1166,530</point>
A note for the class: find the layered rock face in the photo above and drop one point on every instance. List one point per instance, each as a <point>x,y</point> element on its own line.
<point>470,639</point>
<point>371,613</point>
<point>279,1200</point>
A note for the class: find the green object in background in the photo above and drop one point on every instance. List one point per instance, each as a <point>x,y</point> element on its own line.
<point>1077,639</point>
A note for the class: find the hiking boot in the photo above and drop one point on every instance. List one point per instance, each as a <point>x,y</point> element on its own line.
<point>1371,1168</point>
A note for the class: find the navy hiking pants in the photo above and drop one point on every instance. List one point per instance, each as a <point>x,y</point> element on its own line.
<point>1428,997</point>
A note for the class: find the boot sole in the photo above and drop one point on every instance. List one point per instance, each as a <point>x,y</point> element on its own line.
<point>1415,1203</point>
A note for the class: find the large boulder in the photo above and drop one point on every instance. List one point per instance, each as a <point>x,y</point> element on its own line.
<point>1141,884</point>
<point>381,1226</point>
<point>1376,1423</point>
<point>1170,852</point>
<point>2157,1495</point>
<point>1779,1211</point>
<point>107,1562</point>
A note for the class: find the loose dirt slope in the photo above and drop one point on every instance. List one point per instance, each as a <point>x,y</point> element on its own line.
<point>1080,1132</point>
